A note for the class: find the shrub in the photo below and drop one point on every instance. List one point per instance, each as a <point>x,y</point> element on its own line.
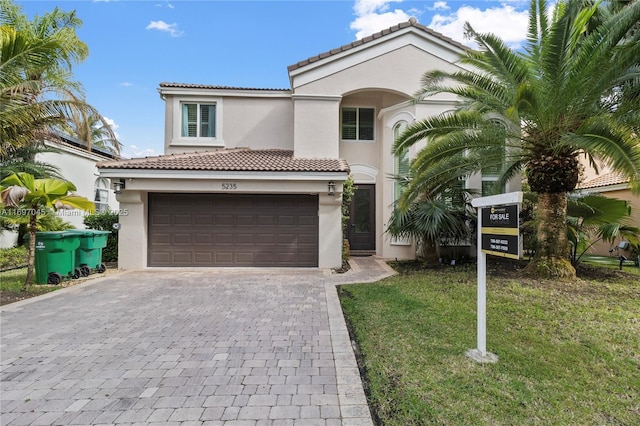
<point>104,222</point>
<point>13,257</point>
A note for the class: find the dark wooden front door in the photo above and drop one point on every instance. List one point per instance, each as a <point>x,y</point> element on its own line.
<point>361,231</point>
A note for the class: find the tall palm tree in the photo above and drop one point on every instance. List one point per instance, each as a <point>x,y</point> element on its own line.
<point>538,111</point>
<point>37,92</point>
<point>94,130</point>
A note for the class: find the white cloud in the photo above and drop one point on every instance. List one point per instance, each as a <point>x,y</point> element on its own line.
<point>113,126</point>
<point>133,151</point>
<point>172,29</point>
<point>375,15</point>
<point>504,21</point>
<point>125,84</point>
<point>439,5</point>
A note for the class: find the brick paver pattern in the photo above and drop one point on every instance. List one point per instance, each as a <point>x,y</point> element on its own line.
<point>201,347</point>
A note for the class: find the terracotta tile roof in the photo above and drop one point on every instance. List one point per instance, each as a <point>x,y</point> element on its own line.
<point>410,23</point>
<point>604,180</point>
<point>215,87</point>
<point>238,159</point>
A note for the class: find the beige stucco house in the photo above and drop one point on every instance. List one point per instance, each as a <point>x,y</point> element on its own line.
<point>253,177</point>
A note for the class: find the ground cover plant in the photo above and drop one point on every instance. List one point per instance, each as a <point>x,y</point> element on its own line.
<point>569,352</point>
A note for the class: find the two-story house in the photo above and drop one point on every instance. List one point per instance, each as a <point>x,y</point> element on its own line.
<point>253,177</point>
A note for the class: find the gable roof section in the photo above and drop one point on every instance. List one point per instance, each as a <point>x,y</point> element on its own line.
<point>238,159</point>
<point>396,28</point>
<point>607,179</point>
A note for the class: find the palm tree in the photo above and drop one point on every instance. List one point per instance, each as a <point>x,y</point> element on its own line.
<point>439,212</point>
<point>538,111</point>
<point>94,130</point>
<point>22,191</point>
<point>23,159</point>
<point>37,92</point>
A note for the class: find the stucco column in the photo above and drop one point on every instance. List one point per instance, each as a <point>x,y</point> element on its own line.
<point>330,231</point>
<point>132,236</point>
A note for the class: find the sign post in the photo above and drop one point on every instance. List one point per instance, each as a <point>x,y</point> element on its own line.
<point>499,235</point>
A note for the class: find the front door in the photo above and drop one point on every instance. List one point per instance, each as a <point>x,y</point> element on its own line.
<point>361,231</point>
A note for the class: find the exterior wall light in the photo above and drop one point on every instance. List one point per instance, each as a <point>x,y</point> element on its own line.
<point>118,186</point>
<point>331,188</point>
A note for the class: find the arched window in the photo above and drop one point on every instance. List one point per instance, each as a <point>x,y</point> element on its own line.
<point>401,161</point>
<point>101,199</point>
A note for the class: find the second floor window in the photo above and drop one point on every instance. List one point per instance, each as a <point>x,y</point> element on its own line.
<point>198,120</point>
<point>358,124</point>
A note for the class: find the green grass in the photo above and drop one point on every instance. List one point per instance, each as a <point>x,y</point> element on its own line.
<point>568,353</point>
<point>11,283</point>
<point>611,263</point>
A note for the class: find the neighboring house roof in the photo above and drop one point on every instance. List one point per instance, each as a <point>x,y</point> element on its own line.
<point>216,87</point>
<point>604,180</point>
<point>238,159</point>
<point>81,146</point>
<point>411,23</point>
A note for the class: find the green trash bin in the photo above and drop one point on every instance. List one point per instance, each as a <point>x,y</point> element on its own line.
<point>89,253</point>
<point>55,257</point>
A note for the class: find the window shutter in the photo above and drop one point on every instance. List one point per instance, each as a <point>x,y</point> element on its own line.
<point>366,124</point>
<point>349,123</point>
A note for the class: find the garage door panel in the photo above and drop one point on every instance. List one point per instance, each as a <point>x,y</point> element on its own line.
<point>183,239</point>
<point>202,219</point>
<point>183,257</point>
<point>266,238</point>
<point>246,220</point>
<point>205,239</point>
<point>247,239</point>
<point>160,219</point>
<point>224,220</point>
<point>160,238</point>
<point>233,230</point>
<point>205,258</point>
<point>182,219</point>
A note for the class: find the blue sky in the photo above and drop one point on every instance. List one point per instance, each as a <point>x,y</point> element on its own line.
<point>136,45</point>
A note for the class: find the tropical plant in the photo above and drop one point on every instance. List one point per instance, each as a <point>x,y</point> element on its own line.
<point>538,111</point>
<point>37,92</point>
<point>93,130</point>
<point>592,218</point>
<point>22,191</point>
<point>439,213</point>
<point>23,159</point>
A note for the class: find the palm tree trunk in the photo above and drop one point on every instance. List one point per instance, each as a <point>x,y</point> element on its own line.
<point>552,250</point>
<point>430,251</point>
<point>33,227</point>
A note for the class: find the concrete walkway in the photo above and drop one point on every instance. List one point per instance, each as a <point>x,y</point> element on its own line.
<point>186,347</point>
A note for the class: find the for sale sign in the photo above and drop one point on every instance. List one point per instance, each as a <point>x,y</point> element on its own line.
<point>500,231</point>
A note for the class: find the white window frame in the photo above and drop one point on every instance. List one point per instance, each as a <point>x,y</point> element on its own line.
<point>179,140</point>
<point>102,185</point>
<point>397,158</point>
<point>357,139</point>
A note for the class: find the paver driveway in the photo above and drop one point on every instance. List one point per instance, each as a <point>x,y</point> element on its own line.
<point>233,347</point>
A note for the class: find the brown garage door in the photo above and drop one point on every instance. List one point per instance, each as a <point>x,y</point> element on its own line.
<point>233,230</point>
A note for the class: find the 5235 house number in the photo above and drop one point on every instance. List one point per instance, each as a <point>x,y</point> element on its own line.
<point>229,186</point>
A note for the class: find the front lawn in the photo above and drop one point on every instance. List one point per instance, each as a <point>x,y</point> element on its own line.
<point>568,353</point>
